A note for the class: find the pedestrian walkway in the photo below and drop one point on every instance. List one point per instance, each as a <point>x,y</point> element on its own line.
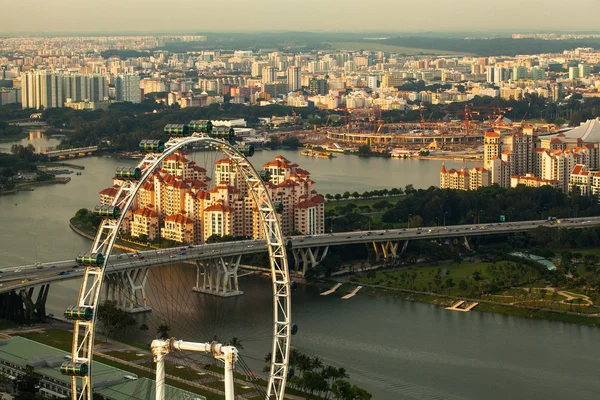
<point>463,306</point>
<point>333,289</point>
<point>352,294</point>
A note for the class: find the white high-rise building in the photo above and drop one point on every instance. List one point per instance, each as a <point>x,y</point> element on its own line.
<point>41,89</point>
<point>372,82</point>
<point>499,75</point>
<point>269,74</point>
<point>127,88</point>
<point>294,78</point>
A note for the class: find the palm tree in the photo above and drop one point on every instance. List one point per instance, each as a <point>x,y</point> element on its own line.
<point>316,363</point>
<point>235,342</point>
<point>163,331</point>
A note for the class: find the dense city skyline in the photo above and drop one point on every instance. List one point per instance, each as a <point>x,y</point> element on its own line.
<point>423,16</point>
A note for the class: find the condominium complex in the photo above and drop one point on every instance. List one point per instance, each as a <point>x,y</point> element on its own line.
<point>45,89</point>
<point>464,179</point>
<point>563,160</point>
<point>179,202</point>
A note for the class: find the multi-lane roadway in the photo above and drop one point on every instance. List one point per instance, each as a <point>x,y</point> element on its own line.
<point>12,278</point>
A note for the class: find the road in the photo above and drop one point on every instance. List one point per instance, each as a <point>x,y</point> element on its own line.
<point>12,278</point>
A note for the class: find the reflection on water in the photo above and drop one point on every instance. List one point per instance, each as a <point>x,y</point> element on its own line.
<point>38,139</point>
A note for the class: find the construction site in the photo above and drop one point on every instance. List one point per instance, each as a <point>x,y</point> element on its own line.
<point>458,134</point>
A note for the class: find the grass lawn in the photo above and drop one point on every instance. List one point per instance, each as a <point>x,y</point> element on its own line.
<point>376,46</point>
<point>332,204</point>
<point>425,275</point>
<point>131,356</point>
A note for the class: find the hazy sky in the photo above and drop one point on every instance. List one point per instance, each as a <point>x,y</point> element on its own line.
<point>302,15</point>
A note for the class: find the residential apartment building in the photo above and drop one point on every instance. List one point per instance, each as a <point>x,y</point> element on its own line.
<point>192,207</point>
<point>464,179</point>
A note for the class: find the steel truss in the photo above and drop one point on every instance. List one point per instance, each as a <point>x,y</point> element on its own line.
<point>89,295</point>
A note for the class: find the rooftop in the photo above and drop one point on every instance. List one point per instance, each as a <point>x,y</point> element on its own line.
<point>110,382</point>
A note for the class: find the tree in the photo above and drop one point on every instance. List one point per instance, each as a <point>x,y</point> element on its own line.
<point>341,390</point>
<point>415,221</point>
<point>26,386</point>
<point>462,285</point>
<point>338,196</point>
<point>163,331</point>
<point>235,342</point>
<point>356,195</point>
<point>346,195</point>
<point>113,318</point>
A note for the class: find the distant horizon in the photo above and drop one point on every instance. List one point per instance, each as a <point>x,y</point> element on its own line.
<point>151,16</point>
<point>486,33</point>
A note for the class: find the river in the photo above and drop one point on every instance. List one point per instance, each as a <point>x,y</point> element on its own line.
<point>394,349</point>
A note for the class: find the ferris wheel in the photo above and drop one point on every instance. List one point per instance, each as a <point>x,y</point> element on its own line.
<point>100,265</point>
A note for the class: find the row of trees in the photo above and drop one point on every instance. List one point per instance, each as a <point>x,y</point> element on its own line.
<point>312,376</point>
<point>369,194</point>
<point>436,206</point>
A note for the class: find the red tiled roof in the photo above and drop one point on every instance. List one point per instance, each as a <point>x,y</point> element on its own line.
<point>179,219</point>
<point>145,212</point>
<point>491,134</point>
<point>577,169</point>
<point>276,163</point>
<point>111,191</point>
<point>219,207</point>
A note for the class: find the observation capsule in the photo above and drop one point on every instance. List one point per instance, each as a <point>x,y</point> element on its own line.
<point>278,207</point>
<point>222,132</point>
<point>247,150</point>
<point>79,313</point>
<point>265,175</point>
<point>291,372</point>
<point>72,368</point>
<point>152,146</point>
<point>92,259</point>
<point>201,125</point>
<point>177,130</point>
<point>294,329</point>
<point>293,284</point>
<point>131,173</point>
<point>107,211</point>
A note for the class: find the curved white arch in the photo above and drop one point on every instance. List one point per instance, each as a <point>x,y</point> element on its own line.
<point>89,295</point>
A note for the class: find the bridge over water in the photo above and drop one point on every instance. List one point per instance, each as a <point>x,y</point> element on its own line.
<point>218,263</point>
<point>71,153</point>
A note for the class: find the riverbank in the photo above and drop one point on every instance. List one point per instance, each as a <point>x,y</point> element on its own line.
<point>484,305</point>
<point>91,235</point>
<point>29,186</point>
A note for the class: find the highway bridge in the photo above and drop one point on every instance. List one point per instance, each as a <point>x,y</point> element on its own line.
<point>72,153</point>
<point>217,263</point>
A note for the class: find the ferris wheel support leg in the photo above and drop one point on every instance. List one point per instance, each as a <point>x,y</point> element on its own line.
<point>160,349</point>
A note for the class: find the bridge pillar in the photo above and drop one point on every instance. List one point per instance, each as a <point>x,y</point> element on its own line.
<point>386,249</point>
<point>33,311</point>
<point>219,276</point>
<point>128,289</point>
<point>305,258</point>
<point>404,247</point>
<point>466,243</point>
